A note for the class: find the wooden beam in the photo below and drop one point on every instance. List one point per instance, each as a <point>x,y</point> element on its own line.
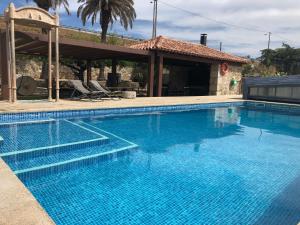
<point>28,45</point>
<point>5,66</point>
<point>160,75</point>
<point>49,65</point>
<point>151,63</point>
<point>57,63</point>
<point>94,45</point>
<point>39,49</point>
<point>181,57</point>
<point>13,61</point>
<point>187,58</point>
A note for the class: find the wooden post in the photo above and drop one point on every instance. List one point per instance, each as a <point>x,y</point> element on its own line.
<point>8,65</point>
<point>114,66</point>
<point>114,71</point>
<point>13,61</point>
<point>151,75</point>
<point>160,75</point>
<point>57,62</point>
<point>49,65</point>
<point>88,71</point>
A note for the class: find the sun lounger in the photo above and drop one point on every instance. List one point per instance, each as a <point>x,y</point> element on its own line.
<point>82,91</point>
<point>96,86</point>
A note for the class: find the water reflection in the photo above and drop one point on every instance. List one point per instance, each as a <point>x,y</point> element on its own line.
<point>272,122</point>
<point>155,133</point>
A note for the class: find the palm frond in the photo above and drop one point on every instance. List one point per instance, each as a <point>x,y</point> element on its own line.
<point>107,12</point>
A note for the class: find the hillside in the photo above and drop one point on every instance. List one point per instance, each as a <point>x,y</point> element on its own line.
<point>72,33</point>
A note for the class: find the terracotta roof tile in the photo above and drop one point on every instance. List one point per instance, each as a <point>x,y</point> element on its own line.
<point>186,48</point>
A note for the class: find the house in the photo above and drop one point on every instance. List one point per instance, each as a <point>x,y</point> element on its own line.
<point>186,68</point>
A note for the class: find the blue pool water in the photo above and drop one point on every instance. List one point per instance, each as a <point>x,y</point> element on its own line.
<point>228,165</point>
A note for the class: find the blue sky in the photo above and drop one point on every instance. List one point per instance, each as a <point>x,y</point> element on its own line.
<point>261,16</point>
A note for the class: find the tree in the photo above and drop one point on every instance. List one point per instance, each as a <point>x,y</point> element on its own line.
<point>51,4</point>
<point>286,59</point>
<point>107,12</point>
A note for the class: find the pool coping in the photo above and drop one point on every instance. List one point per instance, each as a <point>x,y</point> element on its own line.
<point>124,107</point>
<point>19,206</point>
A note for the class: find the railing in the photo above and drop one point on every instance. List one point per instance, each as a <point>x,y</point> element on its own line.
<point>282,89</point>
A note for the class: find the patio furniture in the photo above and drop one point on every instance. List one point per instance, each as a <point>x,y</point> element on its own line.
<point>82,91</point>
<point>96,86</point>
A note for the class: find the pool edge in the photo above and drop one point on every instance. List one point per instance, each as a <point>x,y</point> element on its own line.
<point>22,205</point>
<point>17,204</point>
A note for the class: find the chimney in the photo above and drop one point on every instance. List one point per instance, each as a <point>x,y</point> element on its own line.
<point>203,40</point>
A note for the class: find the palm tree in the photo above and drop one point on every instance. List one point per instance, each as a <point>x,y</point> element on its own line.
<point>51,4</point>
<point>107,12</point>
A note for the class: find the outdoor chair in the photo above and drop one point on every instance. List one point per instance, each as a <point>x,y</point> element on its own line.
<point>82,91</point>
<point>96,86</point>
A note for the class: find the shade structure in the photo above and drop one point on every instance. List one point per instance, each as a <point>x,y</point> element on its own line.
<point>36,44</point>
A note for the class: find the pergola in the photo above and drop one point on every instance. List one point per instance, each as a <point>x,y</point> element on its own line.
<point>37,45</point>
<point>36,17</point>
<point>40,44</point>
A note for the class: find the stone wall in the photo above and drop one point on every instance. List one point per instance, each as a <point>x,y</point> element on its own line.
<point>221,85</point>
<point>126,73</point>
<point>34,68</point>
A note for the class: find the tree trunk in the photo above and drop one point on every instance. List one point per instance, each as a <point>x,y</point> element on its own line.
<point>104,22</point>
<point>104,28</point>
<point>44,74</point>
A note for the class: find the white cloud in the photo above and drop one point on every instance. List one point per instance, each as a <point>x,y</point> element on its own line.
<point>279,17</point>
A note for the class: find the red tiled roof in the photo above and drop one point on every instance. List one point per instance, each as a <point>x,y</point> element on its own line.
<point>186,48</point>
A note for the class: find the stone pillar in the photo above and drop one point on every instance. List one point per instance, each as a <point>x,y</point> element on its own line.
<point>214,79</point>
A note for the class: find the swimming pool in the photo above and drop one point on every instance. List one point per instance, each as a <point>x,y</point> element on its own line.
<point>228,163</point>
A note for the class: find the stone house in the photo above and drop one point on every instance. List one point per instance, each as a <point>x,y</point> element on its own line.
<point>185,68</point>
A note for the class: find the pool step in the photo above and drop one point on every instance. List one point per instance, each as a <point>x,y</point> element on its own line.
<point>49,159</point>
<point>60,156</point>
<point>49,150</point>
<point>37,136</point>
<point>75,162</point>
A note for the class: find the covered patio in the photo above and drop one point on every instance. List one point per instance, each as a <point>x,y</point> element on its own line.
<point>37,45</point>
<point>188,69</point>
<point>174,68</point>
